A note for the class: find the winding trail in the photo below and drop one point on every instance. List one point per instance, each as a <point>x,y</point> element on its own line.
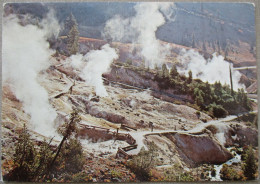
<point>140,136</point>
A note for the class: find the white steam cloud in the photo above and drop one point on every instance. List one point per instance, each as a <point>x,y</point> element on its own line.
<point>142,28</point>
<point>99,62</point>
<point>211,70</point>
<point>94,64</point>
<point>51,25</point>
<point>76,61</point>
<point>26,53</point>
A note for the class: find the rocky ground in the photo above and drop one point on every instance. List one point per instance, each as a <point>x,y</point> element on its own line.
<point>181,135</point>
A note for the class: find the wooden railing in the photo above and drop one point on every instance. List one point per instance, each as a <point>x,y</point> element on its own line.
<point>121,152</point>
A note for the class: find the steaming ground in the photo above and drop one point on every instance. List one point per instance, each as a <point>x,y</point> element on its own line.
<point>41,91</point>
<point>135,108</point>
<point>141,30</point>
<point>138,107</point>
<point>25,54</point>
<point>211,70</point>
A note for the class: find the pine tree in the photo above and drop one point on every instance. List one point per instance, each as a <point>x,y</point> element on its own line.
<point>24,158</point>
<point>165,71</point>
<point>73,155</point>
<point>67,130</point>
<point>69,23</point>
<point>174,73</point>
<point>190,77</point>
<point>199,100</point>
<point>72,33</point>
<point>73,38</point>
<point>250,166</point>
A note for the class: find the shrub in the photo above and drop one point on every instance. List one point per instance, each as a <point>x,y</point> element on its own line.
<point>73,156</point>
<point>30,163</point>
<point>229,173</point>
<point>217,111</point>
<point>144,161</point>
<point>176,173</point>
<point>185,177</point>
<point>40,164</point>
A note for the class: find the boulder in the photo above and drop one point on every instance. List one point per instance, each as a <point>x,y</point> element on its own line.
<point>245,135</point>
<point>201,148</point>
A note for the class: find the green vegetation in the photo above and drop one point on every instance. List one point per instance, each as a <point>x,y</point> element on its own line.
<point>216,99</point>
<point>26,159</point>
<point>174,73</point>
<point>72,33</point>
<point>142,163</point>
<point>176,173</point>
<point>45,162</point>
<point>250,164</point>
<point>165,71</point>
<point>73,39</point>
<point>229,173</point>
<point>185,177</point>
<point>73,156</point>
<point>247,170</point>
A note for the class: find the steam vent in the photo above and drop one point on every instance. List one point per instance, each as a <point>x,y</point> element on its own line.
<point>129,92</point>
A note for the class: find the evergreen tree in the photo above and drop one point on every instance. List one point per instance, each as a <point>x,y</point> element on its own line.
<point>67,130</point>
<point>73,155</point>
<point>199,99</point>
<point>165,71</point>
<point>69,23</point>
<point>218,88</point>
<point>190,77</point>
<point>174,73</point>
<point>250,166</point>
<point>24,158</point>
<point>243,100</point>
<point>73,38</point>
<point>72,33</point>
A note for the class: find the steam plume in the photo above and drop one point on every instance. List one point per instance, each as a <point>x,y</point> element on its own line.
<point>211,70</point>
<point>25,53</point>
<point>142,29</point>
<point>94,64</point>
<point>99,62</point>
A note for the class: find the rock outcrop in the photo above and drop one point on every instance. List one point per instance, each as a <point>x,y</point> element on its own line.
<point>199,149</point>
<point>242,135</point>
